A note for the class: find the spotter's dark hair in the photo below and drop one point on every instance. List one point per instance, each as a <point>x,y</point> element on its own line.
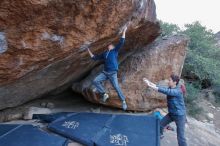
<point>175,78</point>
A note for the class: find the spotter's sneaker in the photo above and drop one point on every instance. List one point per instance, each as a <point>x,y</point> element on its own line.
<point>168,127</point>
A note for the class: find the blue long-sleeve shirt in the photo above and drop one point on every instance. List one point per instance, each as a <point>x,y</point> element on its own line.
<point>110,57</point>
<point>175,100</point>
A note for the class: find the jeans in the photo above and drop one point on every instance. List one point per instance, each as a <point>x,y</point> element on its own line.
<point>180,124</point>
<point>112,76</point>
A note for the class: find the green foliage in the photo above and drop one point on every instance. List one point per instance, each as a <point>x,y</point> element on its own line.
<point>190,99</point>
<point>203,57</point>
<point>217,94</point>
<point>201,67</point>
<point>201,39</point>
<point>202,60</point>
<point>169,28</point>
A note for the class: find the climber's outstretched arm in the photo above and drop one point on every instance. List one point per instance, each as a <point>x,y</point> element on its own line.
<point>122,40</point>
<point>95,57</point>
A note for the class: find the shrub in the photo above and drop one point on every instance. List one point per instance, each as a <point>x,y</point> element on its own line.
<point>190,99</point>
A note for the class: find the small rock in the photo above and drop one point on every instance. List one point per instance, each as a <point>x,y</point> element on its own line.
<point>16,116</point>
<point>47,105</point>
<point>204,121</point>
<point>217,131</point>
<point>211,106</point>
<point>95,110</point>
<point>50,105</point>
<point>28,114</point>
<point>43,104</point>
<point>210,115</point>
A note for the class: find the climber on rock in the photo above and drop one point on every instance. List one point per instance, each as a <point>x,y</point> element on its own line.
<point>110,58</point>
<point>176,107</point>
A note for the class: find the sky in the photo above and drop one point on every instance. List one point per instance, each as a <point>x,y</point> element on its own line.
<point>181,12</point>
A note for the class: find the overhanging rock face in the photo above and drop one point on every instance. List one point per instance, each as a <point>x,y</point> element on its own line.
<point>156,62</point>
<point>41,42</point>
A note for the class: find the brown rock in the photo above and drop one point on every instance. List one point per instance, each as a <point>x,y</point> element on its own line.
<point>30,111</point>
<point>156,62</point>
<point>50,105</point>
<point>41,42</point>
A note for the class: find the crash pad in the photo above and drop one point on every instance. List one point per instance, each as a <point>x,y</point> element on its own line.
<point>28,135</point>
<point>92,129</point>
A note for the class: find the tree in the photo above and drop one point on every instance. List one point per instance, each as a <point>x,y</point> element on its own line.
<point>169,28</point>
<point>203,57</point>
<point>202,61</point>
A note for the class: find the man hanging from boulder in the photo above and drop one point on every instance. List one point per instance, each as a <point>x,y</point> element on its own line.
<point>176,107</point>
<point>110,58</point>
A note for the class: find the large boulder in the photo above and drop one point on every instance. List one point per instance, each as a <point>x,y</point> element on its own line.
<point>42,41</point>
<point>156,62</point>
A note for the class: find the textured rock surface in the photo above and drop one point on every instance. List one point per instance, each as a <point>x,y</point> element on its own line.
<point>41,42</point>
<point>155,62</point>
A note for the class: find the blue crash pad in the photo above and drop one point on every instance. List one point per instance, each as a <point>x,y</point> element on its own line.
<point>27,135</point>
<point>93,129</point>
<point>130,131</point>
<point>48,118</point>
<point>80,127</point>
<point>6,128</point>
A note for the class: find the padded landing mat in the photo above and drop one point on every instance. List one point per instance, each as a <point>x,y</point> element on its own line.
<point>80,127</point>
<point>27,135</point>
<point>48,118</point>
<point>4,128</point>
<point>93,129</point>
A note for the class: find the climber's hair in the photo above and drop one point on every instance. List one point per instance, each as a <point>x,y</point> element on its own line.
<point>175,78</point>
